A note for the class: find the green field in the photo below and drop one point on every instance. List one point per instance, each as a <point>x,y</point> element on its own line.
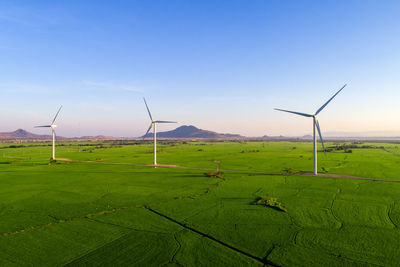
<point>104,207</point>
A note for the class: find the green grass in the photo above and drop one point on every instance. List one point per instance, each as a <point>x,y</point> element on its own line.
<point>92,210</point>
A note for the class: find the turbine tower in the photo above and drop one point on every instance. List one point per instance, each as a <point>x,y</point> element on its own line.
<point>154,125</point>
<point>52,126</point>
<point>315,126</point>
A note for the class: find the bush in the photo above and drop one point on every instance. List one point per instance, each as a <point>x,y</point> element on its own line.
<point>287,170</point>
<point>271,202</point>
<point>216,174</point>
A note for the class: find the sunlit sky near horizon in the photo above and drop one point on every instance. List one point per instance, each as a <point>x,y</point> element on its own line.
<point>218,65</point>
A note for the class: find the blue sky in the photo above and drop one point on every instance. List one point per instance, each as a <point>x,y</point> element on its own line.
<point>218,65</point>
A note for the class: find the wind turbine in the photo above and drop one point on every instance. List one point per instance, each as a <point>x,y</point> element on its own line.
<point>154,125</point>
<point>52,126</point>
<point>315,126</point>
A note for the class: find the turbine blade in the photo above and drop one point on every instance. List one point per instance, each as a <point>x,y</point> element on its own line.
<point>323,106</point>
<point>148,130</point>
<point>294,112</point>
<point>148,110</point>
<point>42,126</point>
<point>55,117</point>
<point>320,136</point>
<point>166,122</point>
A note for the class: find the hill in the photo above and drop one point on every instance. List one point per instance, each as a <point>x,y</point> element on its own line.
<point>22,134</point>
<point>194,133</point>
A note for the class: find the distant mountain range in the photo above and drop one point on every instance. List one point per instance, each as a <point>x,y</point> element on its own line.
<point>185,132</point>
<point>192,132</point>
<point>21,134</point>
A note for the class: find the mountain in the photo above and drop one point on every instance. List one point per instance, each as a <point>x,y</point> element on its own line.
<point>22,134</point>
<point>194,133</point>
<point>189,132</point>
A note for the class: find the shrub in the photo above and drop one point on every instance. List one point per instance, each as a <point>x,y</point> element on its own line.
<point>216,174</point>
<point>287,170</point>
<point>271,202</point>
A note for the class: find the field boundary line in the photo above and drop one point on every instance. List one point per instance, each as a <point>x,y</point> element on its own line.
<point>130,231</point>
<point>71,262</point>
<point>59,221</point>
<point>342,176</point>
<point>388,214</point>
<point>90,215</point>
<point>263,261</point>
<point>391,152</point>
<point>301,173</point>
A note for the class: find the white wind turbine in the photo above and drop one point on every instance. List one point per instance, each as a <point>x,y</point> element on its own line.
<point>315,125</point>
<point>52,126</point>
<point>154,124</point>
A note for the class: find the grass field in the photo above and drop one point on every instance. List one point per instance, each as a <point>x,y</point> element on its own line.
<point>102,206</point>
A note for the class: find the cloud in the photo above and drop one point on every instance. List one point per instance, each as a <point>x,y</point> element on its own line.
<point>31,17</point>
<point>111,86</point>
<point>25,88</point>
<point>86,85</point>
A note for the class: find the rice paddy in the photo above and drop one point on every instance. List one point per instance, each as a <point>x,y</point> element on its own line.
<point>101,205</point>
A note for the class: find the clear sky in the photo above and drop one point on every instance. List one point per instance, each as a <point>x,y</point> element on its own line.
<point>218,65</point>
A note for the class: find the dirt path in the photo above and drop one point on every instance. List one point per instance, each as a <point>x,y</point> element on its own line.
<point>324,175</point>
<point>63,159</point>
<point>343,176</point>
